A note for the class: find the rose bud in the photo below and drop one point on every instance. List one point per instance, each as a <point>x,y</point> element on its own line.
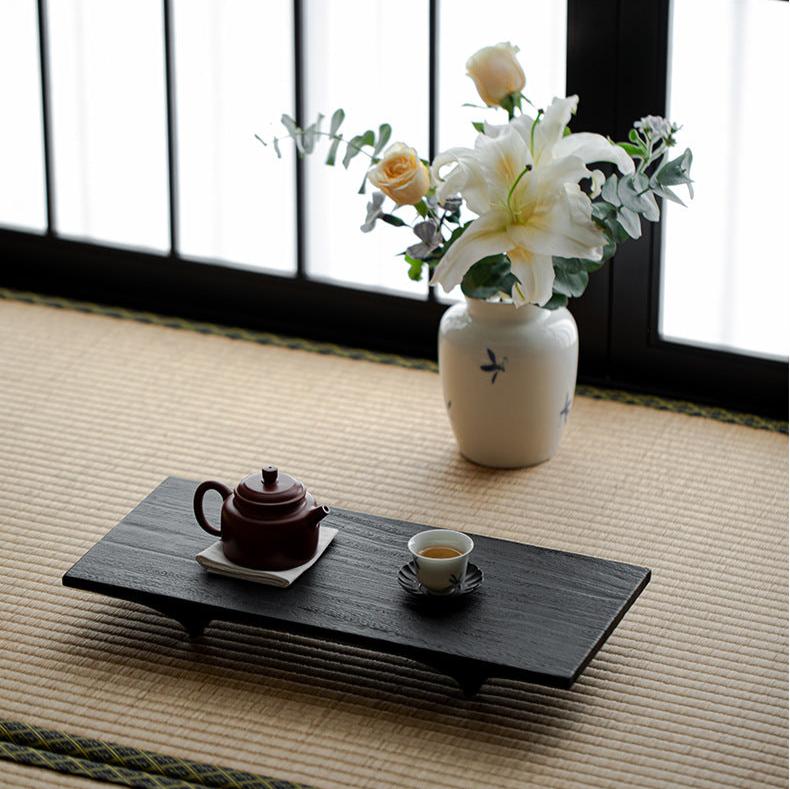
<point>496,73</point>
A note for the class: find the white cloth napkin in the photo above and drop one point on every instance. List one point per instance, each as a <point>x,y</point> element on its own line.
<point>215,561</point>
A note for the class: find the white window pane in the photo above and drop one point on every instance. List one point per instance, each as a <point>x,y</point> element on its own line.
<point>537,27</point>
<point>109,122</point>
<point>22,192</point>
<point>725,270</point>
<point>369,57</point>
<point>234,78</point>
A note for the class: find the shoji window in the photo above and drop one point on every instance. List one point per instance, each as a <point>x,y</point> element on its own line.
<point>22,191</point>
<point>234,77</point>
<point>725,268</point>
<point>109,135</point>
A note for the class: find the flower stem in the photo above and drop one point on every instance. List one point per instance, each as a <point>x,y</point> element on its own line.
<point>532,134</point>
<point>526,169</point>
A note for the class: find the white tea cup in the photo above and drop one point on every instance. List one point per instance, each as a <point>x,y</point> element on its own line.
<point>440,573</point>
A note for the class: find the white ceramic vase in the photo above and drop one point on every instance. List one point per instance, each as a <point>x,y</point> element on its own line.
<point>509,377</point>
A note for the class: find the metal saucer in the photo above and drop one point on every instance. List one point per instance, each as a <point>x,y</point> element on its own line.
<point>407,578</point>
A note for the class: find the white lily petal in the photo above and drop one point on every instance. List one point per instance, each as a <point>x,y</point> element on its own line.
<point>536,275</point>
<point>563,228</point>
<point>484,237</point>
<point>503,159</point>
<point>548,131</point>
<point>522,124</point>
<point>598,179</point>
<point>594,148</point>
<point>469,177</point>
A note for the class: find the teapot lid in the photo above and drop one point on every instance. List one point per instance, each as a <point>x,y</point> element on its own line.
<point>271,487</point>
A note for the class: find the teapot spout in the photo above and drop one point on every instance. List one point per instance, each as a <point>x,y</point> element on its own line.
<point>317,514</point>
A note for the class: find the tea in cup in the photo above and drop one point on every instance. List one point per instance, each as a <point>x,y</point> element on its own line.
<point>441,557</point>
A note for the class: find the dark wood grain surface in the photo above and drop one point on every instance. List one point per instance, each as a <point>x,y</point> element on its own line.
<point>540,615</point>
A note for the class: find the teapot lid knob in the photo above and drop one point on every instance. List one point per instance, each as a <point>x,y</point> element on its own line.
<point>269,475</point>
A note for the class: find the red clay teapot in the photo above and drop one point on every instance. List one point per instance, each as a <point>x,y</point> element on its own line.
<point>269,522</point>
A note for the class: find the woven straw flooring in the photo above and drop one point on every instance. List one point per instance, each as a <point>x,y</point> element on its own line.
<point>691,690</point>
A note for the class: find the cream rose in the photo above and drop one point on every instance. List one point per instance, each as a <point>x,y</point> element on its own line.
<point>496,73</point>
<point>401,175</point>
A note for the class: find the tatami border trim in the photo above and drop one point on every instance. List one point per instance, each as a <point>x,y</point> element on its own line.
<point>119,764</point>
<point>296,343</point>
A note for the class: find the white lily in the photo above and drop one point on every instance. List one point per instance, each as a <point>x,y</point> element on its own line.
<point>522,180</point>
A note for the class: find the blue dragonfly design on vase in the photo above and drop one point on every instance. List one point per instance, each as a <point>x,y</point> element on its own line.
<point>494,366</point>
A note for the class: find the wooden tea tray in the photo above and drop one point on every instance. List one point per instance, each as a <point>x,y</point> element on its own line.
<point>540,615</point>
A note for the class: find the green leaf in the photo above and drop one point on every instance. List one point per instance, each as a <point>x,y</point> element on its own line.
<point>570,276</point>
<point>293,130</point>
<point>556,301</point>
<point>632,150</point>
<point>629,221</point>
<point>385,131</point>
<point>676,171</point>
<point>566,131</point>
<point>421,209</point>
<point>415,268</point>
<point>479,126</point>
<point>633,135</point>
<point>355,144</point>
<point>310,136</point>
<point>609,190</point>
<point>634,193</point>
<point>487,277</point>
<point>605,216</point>
<point>393,220</point>
<point>338,117</point>
<point>332,155</point>
<point>666,193</point>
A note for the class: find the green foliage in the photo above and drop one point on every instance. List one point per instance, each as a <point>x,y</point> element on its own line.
<point>488,277</point>
<point>629,221</point>
<point>631,150</point>
<point>609,191</point>
<point>311,133</point>
<point>479,126</point>
<point>385,132</point>
<point>415,267</point>
<point>556,301</point>
<point>511,103</point>
<point>422,209</point>
<point>570,276</point>
<point>355,145</point>
<point>393,220</point>
<point>294,131</point>
<point>675,172</point>
<point>338,116</point>
<point>332,154</point>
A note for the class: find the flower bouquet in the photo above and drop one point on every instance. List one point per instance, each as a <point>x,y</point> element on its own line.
<point>521,218</point>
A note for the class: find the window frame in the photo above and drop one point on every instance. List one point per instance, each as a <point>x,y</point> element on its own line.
<point>616,61</point>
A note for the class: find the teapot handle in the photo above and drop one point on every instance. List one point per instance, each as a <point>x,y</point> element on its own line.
<point>201,491</point>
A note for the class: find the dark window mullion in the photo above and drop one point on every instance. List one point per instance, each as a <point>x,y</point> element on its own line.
<point>300,75</point>
<point>592,66</point>
<point>46,116</point>
<point>433,92</point>
<point>170,98</point>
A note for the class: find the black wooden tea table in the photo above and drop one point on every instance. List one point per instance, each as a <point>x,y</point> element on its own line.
<point>540,615</point>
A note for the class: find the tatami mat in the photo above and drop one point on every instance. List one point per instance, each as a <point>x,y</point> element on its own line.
<point>691,690</point>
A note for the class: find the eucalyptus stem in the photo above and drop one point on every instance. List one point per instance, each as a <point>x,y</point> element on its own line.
<point>342,139</point>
